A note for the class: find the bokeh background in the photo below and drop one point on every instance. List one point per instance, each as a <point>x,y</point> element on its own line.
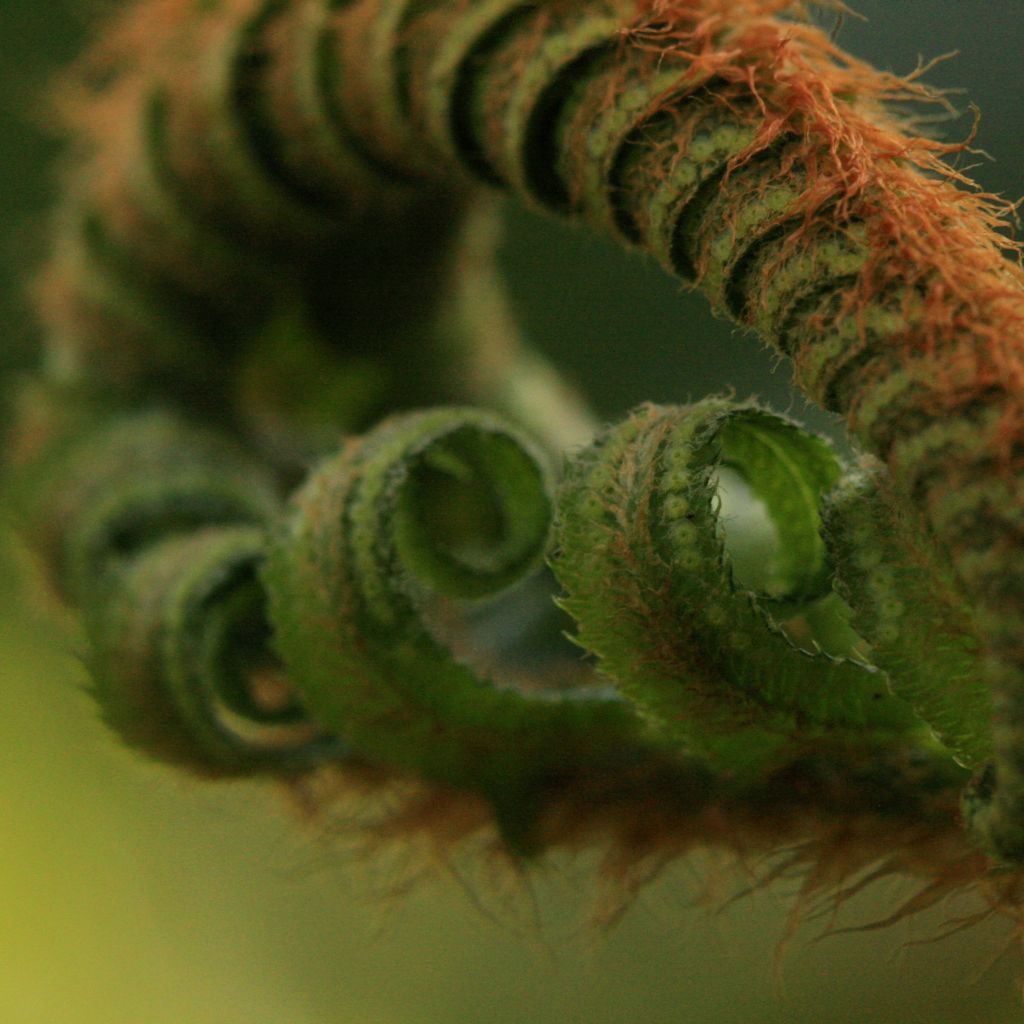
<point>130,896</point>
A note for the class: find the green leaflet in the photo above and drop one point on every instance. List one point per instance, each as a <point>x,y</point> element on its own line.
<point>447,504</point>
<point>641,553</point>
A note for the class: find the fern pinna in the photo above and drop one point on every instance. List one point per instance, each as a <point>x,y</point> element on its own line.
<point>287,440</point>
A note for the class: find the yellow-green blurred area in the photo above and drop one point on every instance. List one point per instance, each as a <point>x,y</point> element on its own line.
<point>130,895</point>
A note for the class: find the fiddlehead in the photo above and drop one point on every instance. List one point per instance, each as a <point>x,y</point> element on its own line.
<point>641,553</point>
<point>156,529</point>
<point>183,665</point>
<point>432,507</point>
<point>269,154</point>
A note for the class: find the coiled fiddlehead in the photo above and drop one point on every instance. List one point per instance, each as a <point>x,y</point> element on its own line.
<point>270,171</point>
<point>430,507</point>
<point>642,556</point>
<point>156,529</point>
<point>183,666</point>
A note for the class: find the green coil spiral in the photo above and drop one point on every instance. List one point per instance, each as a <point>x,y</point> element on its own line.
<point>432,507</point>
<point>156,529</point>
<point>183,666</point>
<point>277,227</point>
<point>641,554</point>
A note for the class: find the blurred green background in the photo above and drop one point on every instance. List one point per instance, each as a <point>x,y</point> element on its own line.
<point>130,896</point>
